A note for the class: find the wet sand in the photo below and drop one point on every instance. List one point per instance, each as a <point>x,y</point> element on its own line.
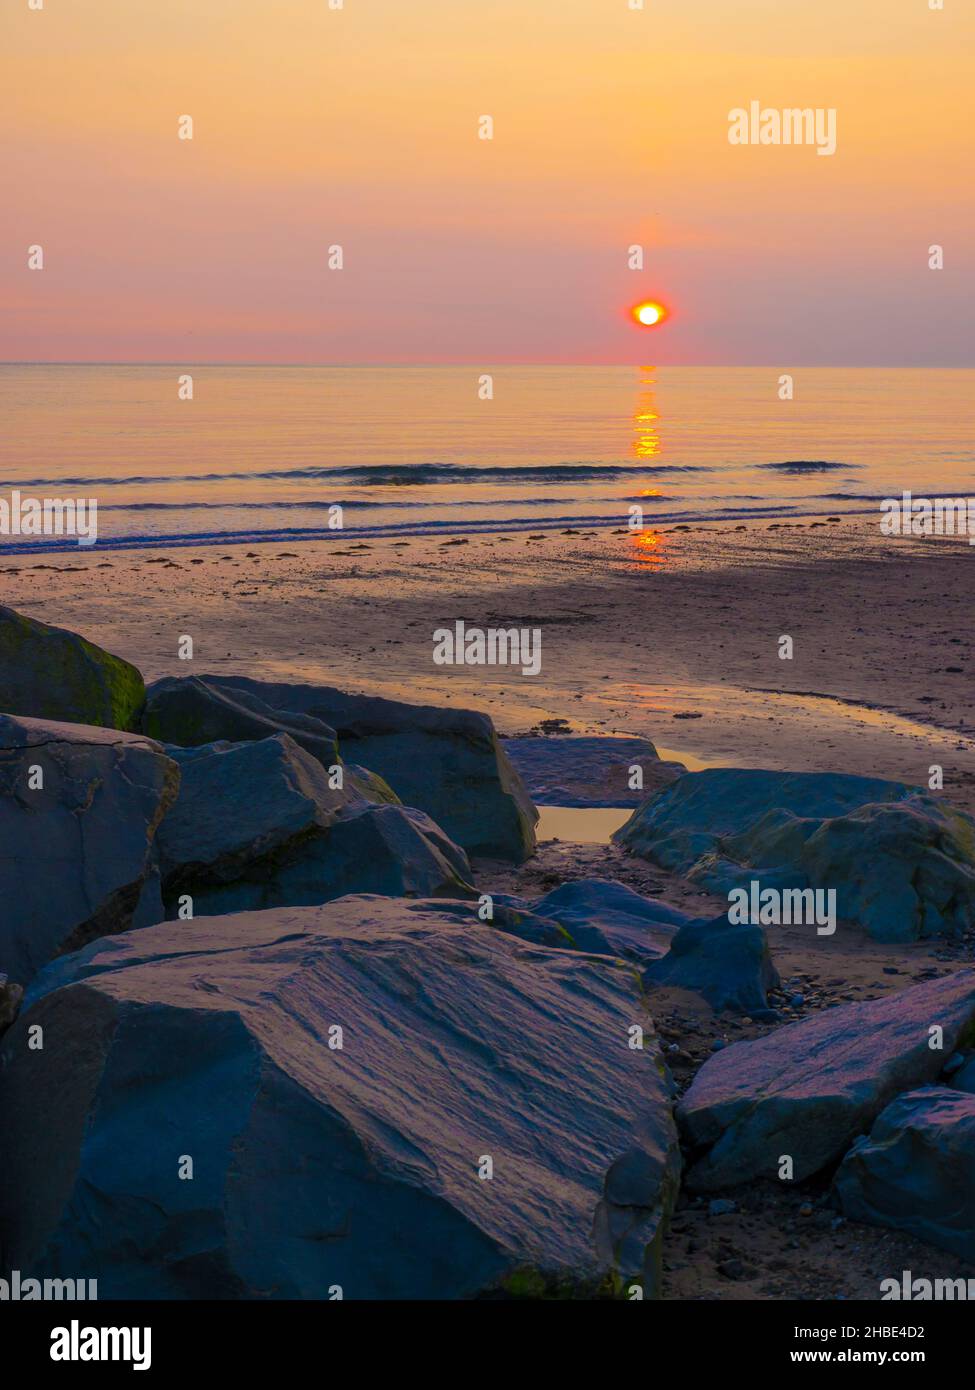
<point>672,635</point>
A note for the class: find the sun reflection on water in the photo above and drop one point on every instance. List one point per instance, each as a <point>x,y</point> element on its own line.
<point>646,441</point>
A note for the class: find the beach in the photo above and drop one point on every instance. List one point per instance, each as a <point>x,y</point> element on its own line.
<point>672,634</point>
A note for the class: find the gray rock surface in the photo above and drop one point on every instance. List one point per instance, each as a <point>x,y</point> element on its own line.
<point>50,673</point>
<point>11,996</point>
<point>605,916</point>
<point>446,762</point>
<point>902,863</point>
<point>915,1171</point>
<point>808,1089</point>
<point>193,710</point>
<point>76,854</point>
<point>730,965</point>
<point>260,825</point>
<point>566,770</point>
<point>313,1166</point>
<point>964,1078</point>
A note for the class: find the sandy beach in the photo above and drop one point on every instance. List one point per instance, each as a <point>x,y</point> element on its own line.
<point>671,634</point>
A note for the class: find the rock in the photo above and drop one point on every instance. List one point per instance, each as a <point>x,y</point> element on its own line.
<point>684,822</point>
<point>259,825</point>
<point>50,673</point>
<point>721,1206</point>
<point>370,785</point>
<point>446,762</point>
<point>902,862</point>
<point>608,918</point>
<point>915,1171</point>
<point>571,771</point>
<point>729,964</point>
<point>315,1166</point>
<point>808,1089</point>
<point>964,1078</point>
<point>193,710</point>
<point>11,996</point>
<point>76,854</point>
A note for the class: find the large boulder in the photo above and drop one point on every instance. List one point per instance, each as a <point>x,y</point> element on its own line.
<point>808,1089</point>
<point>566,770</point>
<point>193,710</point>
<point>729,964</point>
<point>902,862</point>
<point>915,1171</point>
<point>79,811</point>
<point>262,824</point>
<point>446,762</point>
<point>606,917</point>
<point>50,673</point>
<point>374,1094</point>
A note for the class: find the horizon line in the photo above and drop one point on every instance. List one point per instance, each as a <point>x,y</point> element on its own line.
<point>360,366</point>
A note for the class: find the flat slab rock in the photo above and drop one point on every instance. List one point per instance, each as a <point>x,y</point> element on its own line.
<point>316,1166</point>
<point>809,1089</point>
<point>566,770</point>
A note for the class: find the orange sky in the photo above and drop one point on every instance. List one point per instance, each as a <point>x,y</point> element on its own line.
<point>359,126</point>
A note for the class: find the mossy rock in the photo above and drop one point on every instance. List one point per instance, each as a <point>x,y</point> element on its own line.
<point>50,673</point>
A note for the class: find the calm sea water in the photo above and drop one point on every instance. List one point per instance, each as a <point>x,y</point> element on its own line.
<point>262,453</point>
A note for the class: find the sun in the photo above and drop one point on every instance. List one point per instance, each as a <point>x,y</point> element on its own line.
<point>649,313</point>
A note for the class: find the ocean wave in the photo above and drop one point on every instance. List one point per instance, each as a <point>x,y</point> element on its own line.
<point>487,526</point>
<point>807,466</point>
<point>387,474</point>
<point>314,504</point>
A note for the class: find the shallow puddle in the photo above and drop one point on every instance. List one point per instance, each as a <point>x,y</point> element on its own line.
<point>583,825</point>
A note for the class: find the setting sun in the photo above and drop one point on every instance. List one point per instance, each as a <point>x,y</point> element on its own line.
<point>649,313</point>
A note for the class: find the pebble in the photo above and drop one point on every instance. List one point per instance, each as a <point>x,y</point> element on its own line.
<point>721,1206</point>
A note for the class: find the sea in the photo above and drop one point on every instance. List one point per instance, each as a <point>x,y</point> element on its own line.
<point>213,455</point>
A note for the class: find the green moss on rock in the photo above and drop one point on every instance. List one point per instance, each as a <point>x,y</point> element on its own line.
<point>50,673</point>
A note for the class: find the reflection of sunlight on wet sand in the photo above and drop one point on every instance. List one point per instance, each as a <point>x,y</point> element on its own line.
<point>649,548</point>
<point>690,761</point>
<point>734,726</point>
